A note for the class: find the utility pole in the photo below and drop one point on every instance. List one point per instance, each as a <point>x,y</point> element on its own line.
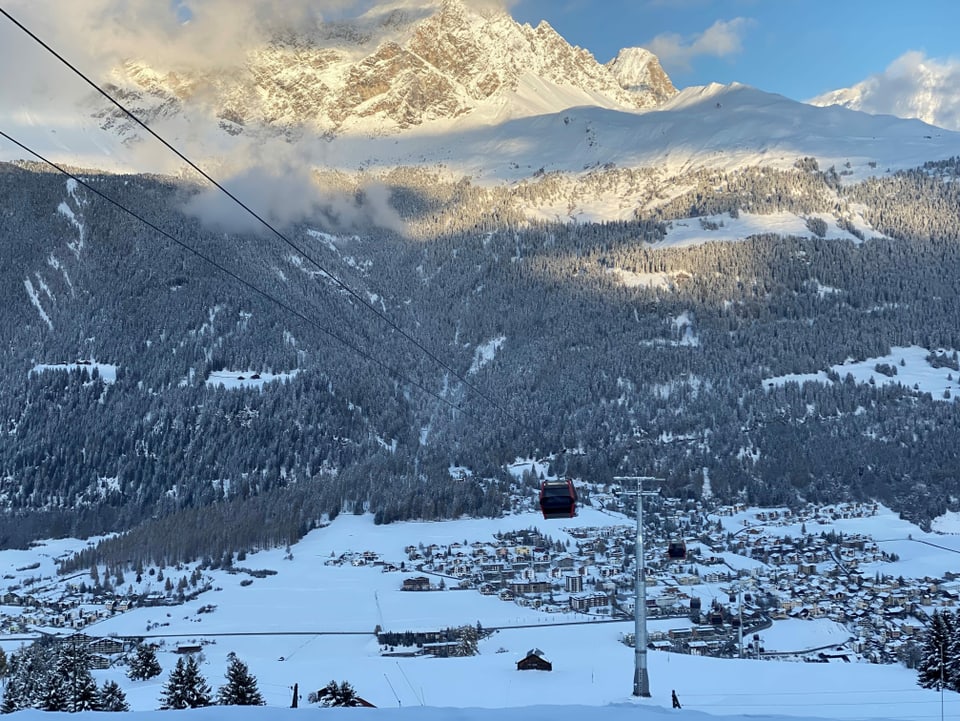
<point>641,679</point>
<point>941,679</point>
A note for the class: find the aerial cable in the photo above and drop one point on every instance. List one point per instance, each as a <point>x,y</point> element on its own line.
<point>247,284</point>
<point>259,218</point>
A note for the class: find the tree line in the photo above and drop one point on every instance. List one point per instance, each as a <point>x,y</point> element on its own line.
<point>55,675</point>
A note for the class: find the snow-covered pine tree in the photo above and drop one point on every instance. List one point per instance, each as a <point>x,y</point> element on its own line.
<point>951,657</point>
<point>467,644</point>
<point>143,664</point>
<point>55,697</point>
<point>199,692</point>
<point>334,694</point>
<point>75,680</point>
<point>241,687</point>
<point>186,687</point>
<point>174,693</point>
<point>932,671</point>
<point>11,689</point>
<point>30,674</point>
<point>112,698</point>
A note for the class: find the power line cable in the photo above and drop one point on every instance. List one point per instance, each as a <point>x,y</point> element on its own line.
<point>259,218</point>
<point>247,284</point>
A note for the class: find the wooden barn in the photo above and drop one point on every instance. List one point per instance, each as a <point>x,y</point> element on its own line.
<point>534,661</point>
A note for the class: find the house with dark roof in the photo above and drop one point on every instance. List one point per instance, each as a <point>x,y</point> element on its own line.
<point>534,661</point>
<point>417,583</point>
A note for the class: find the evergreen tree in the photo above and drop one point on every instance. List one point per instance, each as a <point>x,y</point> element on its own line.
<point>55,697</point>
<point>112,698</point>
<point>74,683</point>
<point>143,664</point>
<point>174,696</point>
<point>932,670</point>
<point>186,687</point>
<point>334,694</point>
<point>30,675</point>
<point>951,657</point>
<point>467,642</point>
<point>241,687</point>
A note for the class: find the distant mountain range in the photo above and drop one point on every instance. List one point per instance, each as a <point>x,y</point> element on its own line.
<point>448,85</point>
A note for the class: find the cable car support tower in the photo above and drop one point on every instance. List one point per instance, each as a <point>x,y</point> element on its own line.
<point>641,679</point>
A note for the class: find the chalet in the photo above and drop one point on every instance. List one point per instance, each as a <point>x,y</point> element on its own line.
<point>184,648</point>
<point>664,601</point>
<point>534,661</point>
<point>698,648</point>
<point>417,583</point>
<point>99,662</point>
<point>441,649</point>
<point>106,646</point>
<point>586,601</point>
<point>524,587</point>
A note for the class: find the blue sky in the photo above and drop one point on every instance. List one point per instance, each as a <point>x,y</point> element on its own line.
<point>798,48</point>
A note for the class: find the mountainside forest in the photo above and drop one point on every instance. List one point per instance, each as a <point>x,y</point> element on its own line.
<point>561,358</point>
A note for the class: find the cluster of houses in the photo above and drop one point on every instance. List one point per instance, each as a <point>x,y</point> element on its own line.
<point>68,612</point>
<point>708,598</point>
<point>75,606</point>
<point>719,608</point>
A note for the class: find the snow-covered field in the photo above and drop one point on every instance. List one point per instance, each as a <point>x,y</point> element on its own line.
<point>312,623</point>
<point>911,369</point>
<point>716,228</point>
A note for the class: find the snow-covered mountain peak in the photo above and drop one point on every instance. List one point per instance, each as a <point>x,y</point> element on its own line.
<point>401,65</point>
<point>639,71</point>
<point>716,94</point>
<point>913,86</point>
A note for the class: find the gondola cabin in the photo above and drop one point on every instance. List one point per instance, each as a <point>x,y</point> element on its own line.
<point>677,550</point>
<point>558,499</point>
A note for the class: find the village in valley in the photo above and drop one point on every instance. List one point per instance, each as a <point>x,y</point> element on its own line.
<point>716,579</point>
<point>717,599</point>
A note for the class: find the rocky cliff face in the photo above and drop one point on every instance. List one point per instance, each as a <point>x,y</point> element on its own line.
<point>400,68</point>
<point>638,71</point>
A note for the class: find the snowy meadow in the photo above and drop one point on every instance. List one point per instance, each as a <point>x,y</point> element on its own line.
<point>313,622</point>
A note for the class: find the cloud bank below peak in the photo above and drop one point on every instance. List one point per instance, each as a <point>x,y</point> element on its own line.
<point>912,86</point>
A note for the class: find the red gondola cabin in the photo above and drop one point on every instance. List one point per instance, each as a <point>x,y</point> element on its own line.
<point>677,550</point>
<point>558,499</point>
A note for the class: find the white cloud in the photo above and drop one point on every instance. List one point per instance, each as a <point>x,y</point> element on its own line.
<point>279,185</point>
<point>912,86</point>
<point>97,35</point>
<point>100,33</point>
<point>722,39</point>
